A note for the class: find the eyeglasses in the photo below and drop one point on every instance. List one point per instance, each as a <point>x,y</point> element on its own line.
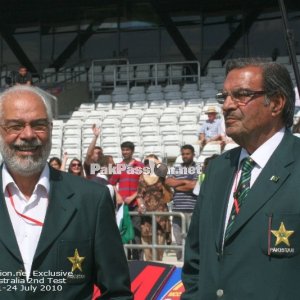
<point>240,96</point>
<point>16,127</point>
<point>76,165</point>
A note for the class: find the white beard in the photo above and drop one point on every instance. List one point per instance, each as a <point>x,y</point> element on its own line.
<point>26,165</point>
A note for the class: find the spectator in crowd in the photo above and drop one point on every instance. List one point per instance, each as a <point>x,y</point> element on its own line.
<point>243,241</point>
<point>183,182</point>
<point>127,182</point>
<point>75,167</point>
<point>23,77</point>
<point>55,163</point>
<point>54,227</point>
<point>201,177</point>
<point>211,130</point>
<point>95,155</point>
<point>296,128</point>
<point>150,197</point>
<point>102,180</point>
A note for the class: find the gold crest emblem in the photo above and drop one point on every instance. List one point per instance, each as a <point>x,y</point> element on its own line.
<point>76,261</point>
<point>282,235</point>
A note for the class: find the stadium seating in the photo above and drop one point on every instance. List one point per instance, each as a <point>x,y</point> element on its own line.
<point>159,117</point>
<point>142,73</point>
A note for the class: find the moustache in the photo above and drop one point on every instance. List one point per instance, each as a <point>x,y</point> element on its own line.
<point>27,145</point>
<point>230,115</point>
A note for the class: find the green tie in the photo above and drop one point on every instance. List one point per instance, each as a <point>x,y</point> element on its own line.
<point>241,192</point>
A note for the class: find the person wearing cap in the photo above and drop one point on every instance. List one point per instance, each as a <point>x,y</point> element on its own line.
<point>211,130</point>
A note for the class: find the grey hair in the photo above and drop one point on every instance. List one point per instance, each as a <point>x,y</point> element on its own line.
<point>276,82</point>
<point>19,89</point>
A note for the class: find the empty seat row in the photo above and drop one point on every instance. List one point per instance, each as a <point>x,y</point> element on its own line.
<point>141,73</point>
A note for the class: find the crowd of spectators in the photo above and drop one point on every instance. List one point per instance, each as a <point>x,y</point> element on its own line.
<point>141,191</point>
<point>145,192</point>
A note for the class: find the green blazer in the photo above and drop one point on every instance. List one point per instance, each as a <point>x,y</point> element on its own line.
<point>79,233</point>
<point>261,258</point>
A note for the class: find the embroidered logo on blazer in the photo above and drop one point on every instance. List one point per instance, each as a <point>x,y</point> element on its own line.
<point>76,262</point>
<point>282,239</point>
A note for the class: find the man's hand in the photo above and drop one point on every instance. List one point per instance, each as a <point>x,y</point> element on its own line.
<point>119,198</point>
<point>128,200</point>
<point>142,208</point>
<point>96,130</point>
<point>172,182</point>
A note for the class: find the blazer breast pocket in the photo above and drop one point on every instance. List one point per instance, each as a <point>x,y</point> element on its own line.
<point>281,236</point>
<point>75,260</point>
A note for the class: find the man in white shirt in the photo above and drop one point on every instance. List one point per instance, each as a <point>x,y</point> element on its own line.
<point>58,237</point>
<point>244,237</point>
<point>211,130</point>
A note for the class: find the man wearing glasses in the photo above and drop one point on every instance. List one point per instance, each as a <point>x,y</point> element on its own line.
<point>244,238</point>
<point>58,236</point>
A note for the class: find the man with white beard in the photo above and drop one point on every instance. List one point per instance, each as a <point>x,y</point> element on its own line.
<point>58,236</point>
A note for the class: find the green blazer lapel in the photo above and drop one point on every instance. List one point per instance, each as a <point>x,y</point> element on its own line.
<point>59,212</point>
<point>7,234</point>
<point>265,186</point>
<point>228,168</point>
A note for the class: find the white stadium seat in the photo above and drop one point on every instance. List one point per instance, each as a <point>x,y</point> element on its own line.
<point>148,121</point>
<point>149,130</point>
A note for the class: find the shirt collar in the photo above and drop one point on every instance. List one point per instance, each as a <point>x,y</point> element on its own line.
<point>263,153</point>
<point>211,121</point>
<point>43,180</point>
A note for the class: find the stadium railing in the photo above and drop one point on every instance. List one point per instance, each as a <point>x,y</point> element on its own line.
<point>154,246</point>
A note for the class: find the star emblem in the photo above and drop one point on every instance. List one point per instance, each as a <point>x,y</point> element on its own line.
<point>76,260</point>
<point>282,235</point>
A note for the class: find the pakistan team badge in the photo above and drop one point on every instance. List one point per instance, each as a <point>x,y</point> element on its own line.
<point>282,239</point>
<point>76,261</point>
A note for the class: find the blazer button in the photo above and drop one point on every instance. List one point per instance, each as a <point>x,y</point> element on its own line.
<point>220,293</point>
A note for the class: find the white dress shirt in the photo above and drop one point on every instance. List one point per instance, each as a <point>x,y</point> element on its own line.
<point>260,156</point>
<point>27,232</point>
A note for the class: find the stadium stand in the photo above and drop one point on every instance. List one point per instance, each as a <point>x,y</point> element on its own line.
<point>157,118</point>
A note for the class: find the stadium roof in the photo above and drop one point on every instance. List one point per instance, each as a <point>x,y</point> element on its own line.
<point>21,13</point>
<point>86,17</point>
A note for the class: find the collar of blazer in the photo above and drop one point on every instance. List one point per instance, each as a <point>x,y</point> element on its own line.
<point>59,212</point>
<point>262,191</point>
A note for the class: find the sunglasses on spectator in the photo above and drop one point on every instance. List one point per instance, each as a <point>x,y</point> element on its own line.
<point>76,165</point>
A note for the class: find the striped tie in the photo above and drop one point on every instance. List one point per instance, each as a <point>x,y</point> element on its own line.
<point>241,192</point>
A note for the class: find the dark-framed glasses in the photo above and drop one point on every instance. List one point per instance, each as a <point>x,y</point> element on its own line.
<point>16,127</point>
<point>241,96</point>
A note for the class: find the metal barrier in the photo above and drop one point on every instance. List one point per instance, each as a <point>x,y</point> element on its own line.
<point>154,246</point>
<point>100,78</point>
